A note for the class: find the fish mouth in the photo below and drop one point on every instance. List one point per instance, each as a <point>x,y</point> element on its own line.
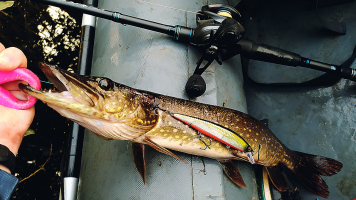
<point>74,93</point>
<point>55,76</point>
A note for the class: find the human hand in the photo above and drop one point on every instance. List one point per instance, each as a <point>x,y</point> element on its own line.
<point>13,123</point>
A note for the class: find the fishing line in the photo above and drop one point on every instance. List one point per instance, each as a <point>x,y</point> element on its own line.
<point>169,7</point>
<point>156,106</point>
<point>46,82</point>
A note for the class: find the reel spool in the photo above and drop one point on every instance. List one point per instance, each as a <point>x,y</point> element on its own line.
<point>209,19</point>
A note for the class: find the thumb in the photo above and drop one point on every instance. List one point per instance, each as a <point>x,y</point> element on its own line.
<point>12,58</point>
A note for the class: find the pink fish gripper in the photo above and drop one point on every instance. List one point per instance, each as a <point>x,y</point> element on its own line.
<point>9,100</point>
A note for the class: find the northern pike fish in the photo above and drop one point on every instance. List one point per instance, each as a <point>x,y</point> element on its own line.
<point>115,111</point>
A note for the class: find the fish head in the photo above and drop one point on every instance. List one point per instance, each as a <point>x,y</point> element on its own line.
<point>96,103</point>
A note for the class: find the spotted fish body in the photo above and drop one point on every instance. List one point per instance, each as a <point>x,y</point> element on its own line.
<point>255,133</point>
<point>114,111</point>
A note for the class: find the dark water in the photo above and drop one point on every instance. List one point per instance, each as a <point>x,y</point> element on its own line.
<point>29,27</point>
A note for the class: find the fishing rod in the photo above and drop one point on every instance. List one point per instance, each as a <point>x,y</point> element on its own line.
<point>219,33</point>
<point>180,33</point>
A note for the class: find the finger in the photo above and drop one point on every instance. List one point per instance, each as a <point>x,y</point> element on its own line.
<point>12,58</point>
<point>2,47</point>
<point>13,127</point>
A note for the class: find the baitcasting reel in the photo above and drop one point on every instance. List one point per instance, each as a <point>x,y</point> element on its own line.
<point>218,27</point>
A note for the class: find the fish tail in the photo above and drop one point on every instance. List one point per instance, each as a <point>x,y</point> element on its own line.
<point>310,167</point>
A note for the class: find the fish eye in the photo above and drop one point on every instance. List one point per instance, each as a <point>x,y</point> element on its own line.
<point>104,83</point>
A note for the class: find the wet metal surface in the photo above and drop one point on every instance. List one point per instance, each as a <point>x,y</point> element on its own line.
<point>318,121</point>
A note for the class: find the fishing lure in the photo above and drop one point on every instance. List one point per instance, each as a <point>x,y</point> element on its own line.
<point>218,132</point>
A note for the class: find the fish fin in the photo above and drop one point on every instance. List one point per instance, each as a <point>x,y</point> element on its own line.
<point>309,169</point>
<point>232,172</point>
<point>162,149</point>
<point>266,186</point>
<point>264,121</point>
<point>138,151</point>
<point>277,178</point>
